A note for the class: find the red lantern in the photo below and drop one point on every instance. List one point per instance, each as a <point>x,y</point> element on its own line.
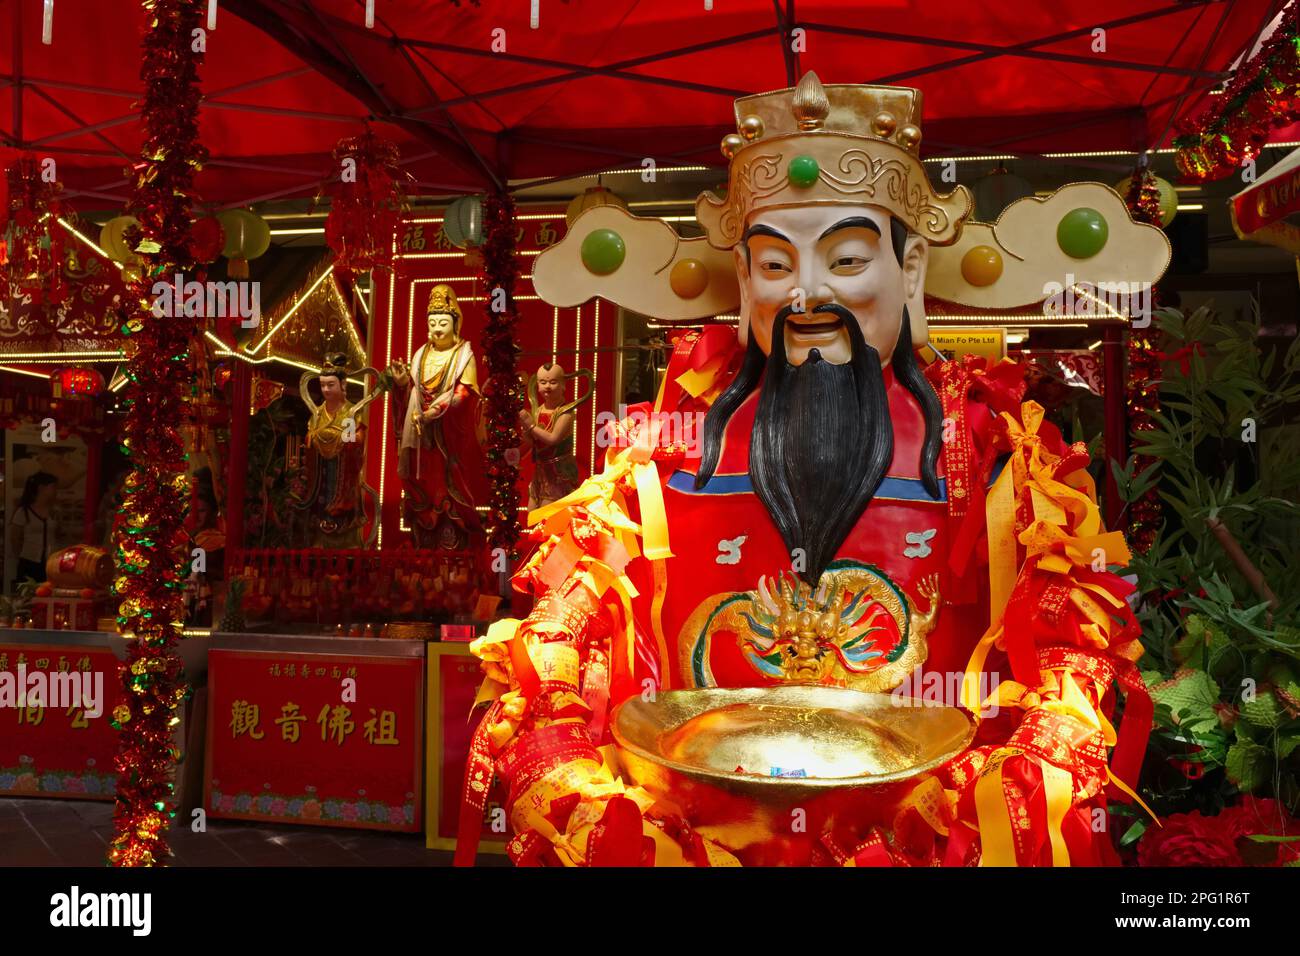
<point>207,239</point>
<point>77,383</point>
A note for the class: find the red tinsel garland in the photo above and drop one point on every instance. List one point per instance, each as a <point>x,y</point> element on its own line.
<point>503,391</point>
<point>366,204</point>
<point>31,250</point>
<point>1142,393</point>
<point>1263,95</point>
<point>152,546</point>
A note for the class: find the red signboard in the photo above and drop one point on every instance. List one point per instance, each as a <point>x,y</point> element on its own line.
<point>324,739</point>
<point>59,751</point>
<point>454,679</point>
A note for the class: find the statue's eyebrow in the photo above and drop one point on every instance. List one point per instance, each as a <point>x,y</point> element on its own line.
<point>853,222</point>
<point>761,230</point>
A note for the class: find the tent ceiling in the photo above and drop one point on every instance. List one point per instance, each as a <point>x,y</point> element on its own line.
<point>601,83</point>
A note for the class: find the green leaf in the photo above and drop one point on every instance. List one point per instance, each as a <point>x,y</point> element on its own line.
<point>1191,693</point>
<point>1249,765</point>
<point>1264,711</point>
<point>1134,833</point>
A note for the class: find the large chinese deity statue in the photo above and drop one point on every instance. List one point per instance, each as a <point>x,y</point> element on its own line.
<point>548,433</point>
<point>334,457</point>
<point>440,451</point>
<point>850,524</point>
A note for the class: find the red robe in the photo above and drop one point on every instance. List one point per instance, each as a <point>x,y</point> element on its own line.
<point>1030,787</point>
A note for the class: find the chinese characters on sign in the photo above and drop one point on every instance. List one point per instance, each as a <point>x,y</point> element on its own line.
<point>315,738</point>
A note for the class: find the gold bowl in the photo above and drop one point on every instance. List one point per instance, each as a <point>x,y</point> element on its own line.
<point>767,770</point>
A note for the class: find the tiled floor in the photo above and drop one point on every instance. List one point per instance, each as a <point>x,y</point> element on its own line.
<point>76,833</point>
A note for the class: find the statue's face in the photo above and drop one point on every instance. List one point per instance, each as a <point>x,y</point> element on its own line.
<point>331,389</point>
<point>442,330</point>
<point>550,385</point>
<point>831,254</point>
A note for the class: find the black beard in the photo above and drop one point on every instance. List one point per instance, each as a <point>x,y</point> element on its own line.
<point>823,437</point>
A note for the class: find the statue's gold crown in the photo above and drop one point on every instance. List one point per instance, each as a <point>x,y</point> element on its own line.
<point>336,363</point>
<point>842,144</point>
<point>442,301</point>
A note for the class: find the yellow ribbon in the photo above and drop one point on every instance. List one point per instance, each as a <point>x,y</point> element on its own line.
<point>997,841</point>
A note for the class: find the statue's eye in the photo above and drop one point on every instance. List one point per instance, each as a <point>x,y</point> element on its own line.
<point>775,267</point>
<point>849,262</point>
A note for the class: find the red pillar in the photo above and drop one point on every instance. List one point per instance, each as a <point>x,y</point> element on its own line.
<point>1116,429</point>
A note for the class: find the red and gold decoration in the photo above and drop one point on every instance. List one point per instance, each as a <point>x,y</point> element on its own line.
<point>1143,383</point>
<point>31,250</point>
<point>366,204</point>
<point>502,388</point>
<point>152,557</point>
<point>1262,96</point>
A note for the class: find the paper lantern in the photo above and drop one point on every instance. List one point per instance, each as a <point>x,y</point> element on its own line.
<point>1168,197</point>
<point>112,239</point>
<point>590,198</point>
<point>77,383</point>
<point>997,190</point>
<point>207,239</point>
<point>463,222</point>
<point>247,237</point>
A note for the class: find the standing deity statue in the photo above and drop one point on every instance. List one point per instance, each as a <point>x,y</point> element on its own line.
<point>548,430</point>
<point>440,457</point>
<point>334,456</point>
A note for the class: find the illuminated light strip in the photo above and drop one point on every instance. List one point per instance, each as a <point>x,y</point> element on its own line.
<point>1190,207</point>
<point>348,323</point>
<point>595,379</point>
<point>305,231</point>
<point>1166,151</point>
<point>410,321</point>
<point>1092,298</point>
<point>63,357</point>
<point>465,279</point>
<point>531,217</point>
<point>94,245</point>
<point>305,296</point>
<point>658,169</point>
<point>223,350</point>
<point>23,371</point>
<point>383,445</point>
<point>555,333</point>
<point>455,255</point>
<point>196,631</point>
<point>484,298</point>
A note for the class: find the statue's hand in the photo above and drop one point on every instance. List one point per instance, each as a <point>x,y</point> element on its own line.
<point>400,374</point>
<point>435,410</point>
<point>525,418</point>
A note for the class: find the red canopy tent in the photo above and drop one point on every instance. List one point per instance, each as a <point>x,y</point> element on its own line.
<point>599,84</point>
